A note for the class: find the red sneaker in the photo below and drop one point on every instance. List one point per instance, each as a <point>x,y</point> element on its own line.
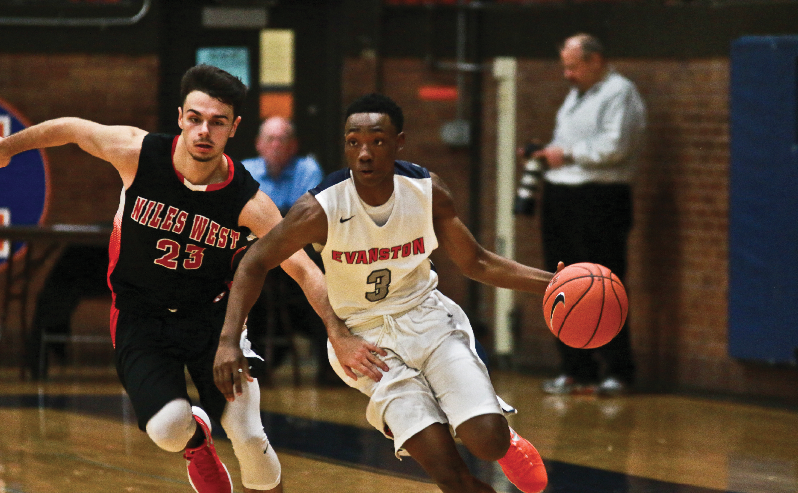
<point>523,466</point>
<point>206,473</point>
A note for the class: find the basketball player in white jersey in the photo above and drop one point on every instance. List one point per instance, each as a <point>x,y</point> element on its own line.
<point>405,345</point>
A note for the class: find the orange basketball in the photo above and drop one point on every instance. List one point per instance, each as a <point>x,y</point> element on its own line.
<point>585,305</point>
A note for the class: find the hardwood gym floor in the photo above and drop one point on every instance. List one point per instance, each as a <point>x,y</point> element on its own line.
<point>75,433</point>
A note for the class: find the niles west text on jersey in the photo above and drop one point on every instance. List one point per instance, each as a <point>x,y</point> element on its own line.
<point>372,255</point>
<point>151,213</point>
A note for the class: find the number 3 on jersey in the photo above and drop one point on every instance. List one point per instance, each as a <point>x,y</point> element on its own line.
<point>172,249</point>
<point>381,279</point>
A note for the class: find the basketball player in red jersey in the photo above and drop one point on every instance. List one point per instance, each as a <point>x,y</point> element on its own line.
<point>377,223</point>
<point>186,209</point>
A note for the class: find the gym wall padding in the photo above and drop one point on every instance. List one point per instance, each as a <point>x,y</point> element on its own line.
<point>763,222</point>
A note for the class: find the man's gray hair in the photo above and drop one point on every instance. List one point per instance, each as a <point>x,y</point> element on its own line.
<point>590,45</point>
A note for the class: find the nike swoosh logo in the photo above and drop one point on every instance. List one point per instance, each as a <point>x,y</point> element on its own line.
<point>345,220</point>
<point>560,298</point>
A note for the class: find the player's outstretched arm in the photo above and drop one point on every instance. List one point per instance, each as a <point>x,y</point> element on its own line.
<point>472,258</point>
<point>119,145</point>
<point>230,366</point>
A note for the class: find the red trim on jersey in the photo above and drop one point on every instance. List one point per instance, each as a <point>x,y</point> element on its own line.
<point>113,257</point>
<point>213,186</point>
<point>114,320</point>
<point>235,255</point>
<point>230,171</point>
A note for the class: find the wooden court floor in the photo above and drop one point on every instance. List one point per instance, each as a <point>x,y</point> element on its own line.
<point>76,433</point>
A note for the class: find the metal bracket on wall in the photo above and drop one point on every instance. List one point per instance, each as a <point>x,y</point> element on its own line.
<point>78,21</point>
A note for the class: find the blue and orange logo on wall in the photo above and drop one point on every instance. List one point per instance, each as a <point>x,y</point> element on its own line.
<point>24,182</point>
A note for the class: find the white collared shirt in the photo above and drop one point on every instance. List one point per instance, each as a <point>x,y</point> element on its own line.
<point>602,130</point>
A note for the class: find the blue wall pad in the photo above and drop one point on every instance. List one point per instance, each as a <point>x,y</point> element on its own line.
<point>763,217</point>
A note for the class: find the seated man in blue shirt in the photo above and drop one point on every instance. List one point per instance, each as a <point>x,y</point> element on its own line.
<point>284,176</point>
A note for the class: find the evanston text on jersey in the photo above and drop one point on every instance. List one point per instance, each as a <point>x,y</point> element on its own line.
<point>152,214</point>
<point>372,255</point>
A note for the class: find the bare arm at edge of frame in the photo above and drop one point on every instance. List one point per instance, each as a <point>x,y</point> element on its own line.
<point>117,144</point>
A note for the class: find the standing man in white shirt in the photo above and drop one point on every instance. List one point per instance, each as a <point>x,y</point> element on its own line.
<point>587,200</point>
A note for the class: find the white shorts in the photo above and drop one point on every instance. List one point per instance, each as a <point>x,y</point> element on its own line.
<point>435,375</point>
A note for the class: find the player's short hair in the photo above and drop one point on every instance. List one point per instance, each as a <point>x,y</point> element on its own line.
<point>378,103</point>
<point>590,45</point>
<point>216,83</point>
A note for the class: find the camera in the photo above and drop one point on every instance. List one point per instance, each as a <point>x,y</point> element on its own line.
<point>529,188</point>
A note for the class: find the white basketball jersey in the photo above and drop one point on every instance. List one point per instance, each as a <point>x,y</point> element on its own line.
<point>378,270</point>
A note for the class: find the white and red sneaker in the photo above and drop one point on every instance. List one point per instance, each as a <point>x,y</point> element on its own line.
<point>206,473</point>
<point>523,465</point>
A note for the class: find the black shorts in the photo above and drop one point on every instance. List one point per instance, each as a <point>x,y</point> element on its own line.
<point>152,350</point>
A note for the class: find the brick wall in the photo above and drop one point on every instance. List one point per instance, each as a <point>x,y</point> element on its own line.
<point>678,279</point>
<point>109,89</point>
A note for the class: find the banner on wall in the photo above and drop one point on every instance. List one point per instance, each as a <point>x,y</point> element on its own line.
<point>23,183</point>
